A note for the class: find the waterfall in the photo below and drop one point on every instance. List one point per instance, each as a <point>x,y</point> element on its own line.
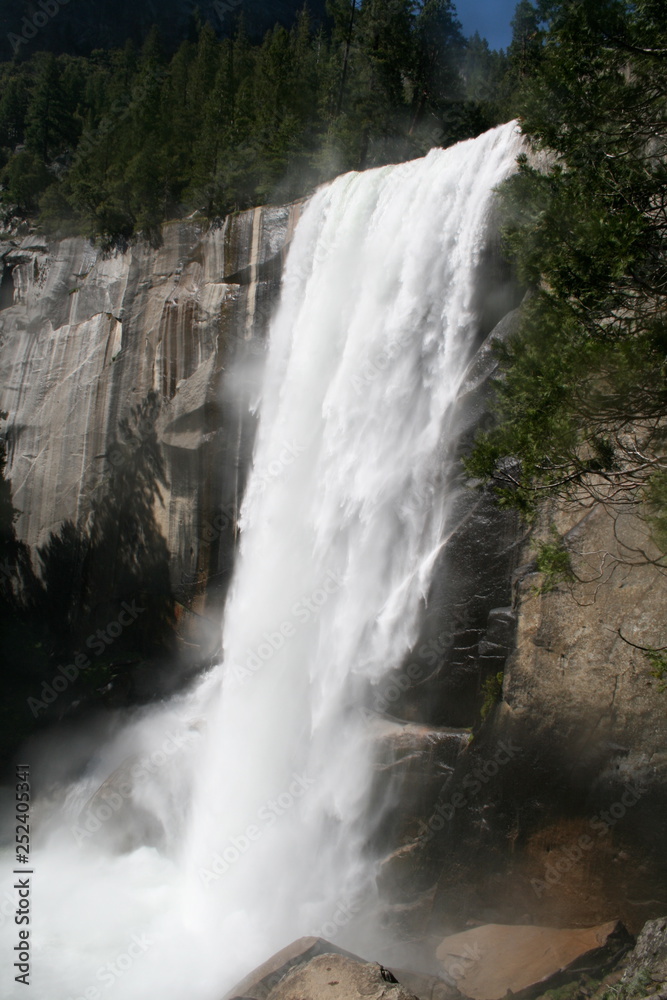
<point>240,817</point>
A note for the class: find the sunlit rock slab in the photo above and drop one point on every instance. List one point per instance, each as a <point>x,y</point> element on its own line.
<point>490,961</point>
<point>86,336</point>
<point>339,977</point>
<point>265,977</point>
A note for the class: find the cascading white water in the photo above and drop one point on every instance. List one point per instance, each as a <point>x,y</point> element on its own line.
<point>260,799</point>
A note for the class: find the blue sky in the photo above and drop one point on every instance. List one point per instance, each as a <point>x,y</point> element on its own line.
<point>490,17</point>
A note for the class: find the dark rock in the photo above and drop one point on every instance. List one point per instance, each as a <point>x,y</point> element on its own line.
<point>570,829</point>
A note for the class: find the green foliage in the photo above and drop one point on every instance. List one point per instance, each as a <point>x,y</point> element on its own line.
<point>553,560</point>
<point>525,51</point>
<point>658,661</point>
<point>114,144</point>
<point>26,177</point>
<point>642,984</point>
<point>581,987</point>
<point>492,690</point>
<point>657,503</point>
<point>581,400</point>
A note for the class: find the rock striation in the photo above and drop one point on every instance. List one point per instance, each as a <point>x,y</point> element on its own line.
<point>555,811</point>
<point>87,338</point>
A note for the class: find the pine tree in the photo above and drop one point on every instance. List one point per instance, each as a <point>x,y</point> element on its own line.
<point>526,48</point>
<point>13,108</point>
<point>583,402</point>
<point>48,117</point>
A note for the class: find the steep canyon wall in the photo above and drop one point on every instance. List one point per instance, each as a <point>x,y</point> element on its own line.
<point>100,355</point>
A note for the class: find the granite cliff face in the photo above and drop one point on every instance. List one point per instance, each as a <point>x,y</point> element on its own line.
<point>99,354</point>
<point>554,812</point>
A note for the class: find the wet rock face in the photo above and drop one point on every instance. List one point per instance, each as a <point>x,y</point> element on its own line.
<point>104,356</point>
<point>556,812</point>
<point>468,627</point>
<point>428,777</point>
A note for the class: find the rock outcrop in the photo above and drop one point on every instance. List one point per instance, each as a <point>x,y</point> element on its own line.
<point>555,812</point>
<point>337,977</point>
<point>646,968</point>
<point>261,981</point>
<point>497,960</point>
<point>489,962</point>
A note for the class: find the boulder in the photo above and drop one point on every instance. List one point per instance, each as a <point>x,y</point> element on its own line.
<point>488,961</point>
<point>311,968</point>
<point>259,983</point>
<point>339,977</point>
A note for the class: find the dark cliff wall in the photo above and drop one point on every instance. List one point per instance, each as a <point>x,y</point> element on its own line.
<point>554,809</point>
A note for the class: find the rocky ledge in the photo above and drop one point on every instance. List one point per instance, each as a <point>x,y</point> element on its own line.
<point>488,962</point>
